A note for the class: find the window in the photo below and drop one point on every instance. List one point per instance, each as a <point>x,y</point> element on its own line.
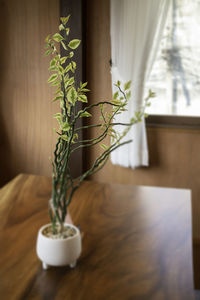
<point>175,75</point>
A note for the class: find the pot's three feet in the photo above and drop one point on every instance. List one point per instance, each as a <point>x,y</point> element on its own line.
<point>46,266</point>
<point>72,265</point>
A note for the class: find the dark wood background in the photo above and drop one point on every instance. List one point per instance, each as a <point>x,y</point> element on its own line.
<point>26,110</point>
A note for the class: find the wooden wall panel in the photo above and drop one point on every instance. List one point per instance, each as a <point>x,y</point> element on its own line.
<point>174,154</point>
<point>26,135</point>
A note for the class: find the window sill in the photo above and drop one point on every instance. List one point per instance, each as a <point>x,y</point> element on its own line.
<point>167,121</point>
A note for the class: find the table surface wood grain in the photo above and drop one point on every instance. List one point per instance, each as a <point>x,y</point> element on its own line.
<point>137,243</point>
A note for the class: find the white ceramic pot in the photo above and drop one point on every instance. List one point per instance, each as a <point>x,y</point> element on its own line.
<point>58,252</point>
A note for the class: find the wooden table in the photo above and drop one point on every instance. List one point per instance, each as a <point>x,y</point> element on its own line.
<point>136,245</point>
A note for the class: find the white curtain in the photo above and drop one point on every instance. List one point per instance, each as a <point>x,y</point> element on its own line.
<point>136,31</point>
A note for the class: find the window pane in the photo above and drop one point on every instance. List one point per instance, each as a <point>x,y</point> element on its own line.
<point>175,76</point>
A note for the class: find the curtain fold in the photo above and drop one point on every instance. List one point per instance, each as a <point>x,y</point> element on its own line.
<point>136,31</point>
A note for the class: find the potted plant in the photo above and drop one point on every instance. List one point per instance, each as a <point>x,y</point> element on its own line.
<point>59,243</point>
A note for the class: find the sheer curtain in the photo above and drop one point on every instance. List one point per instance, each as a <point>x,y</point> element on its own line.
<point>136,31</point>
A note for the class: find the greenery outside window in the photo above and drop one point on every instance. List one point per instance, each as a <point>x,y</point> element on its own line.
<point>175,75</point>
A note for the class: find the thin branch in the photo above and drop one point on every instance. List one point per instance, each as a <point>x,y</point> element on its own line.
<point>91,106</point>
<point>99,125</point>
<point>100,159</point>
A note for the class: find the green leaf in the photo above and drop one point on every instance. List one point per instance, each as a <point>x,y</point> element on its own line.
<point>82,85</point>
<point>71,54</point>
<point>64,20</point>
<point>101,107</point>
<point>152,94</point>
<point>116,102</point>
<point>53,68</point>
<point>65,126</point>
<point>118,83</point>
<point>112,130</point>
<point>104,147</point>
<point>55,83</point>
<point>53,63</point>
<point>64,137</point>
<point>61,103</point>
<point>113,136</point>
<point>133,120</point>
<point>61,70</point>
<point>70,81</point>
<point>63,60</point>
<point>57,57</point>
<point>52,78</point>
<point>57,115</point>
<point>59,92</point>
<point>63,44</point>
<point>58,37</point>
<point>67,30</point>
<point>138,115</point>
<point>73,64</point>
<point>66,78</point>
<point>48,52</point>
<point>127,85</point>
<point>68,68</point>
<point>75,137</point>
<point>82,98</point>
<point>72,95</point>
<point>57,98</point>
<point>85,114</point>
<point>73,44</point>
<point>116,94</point>
<point>128,95</point>
<point>61,27</point>
<point>47,38</point>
